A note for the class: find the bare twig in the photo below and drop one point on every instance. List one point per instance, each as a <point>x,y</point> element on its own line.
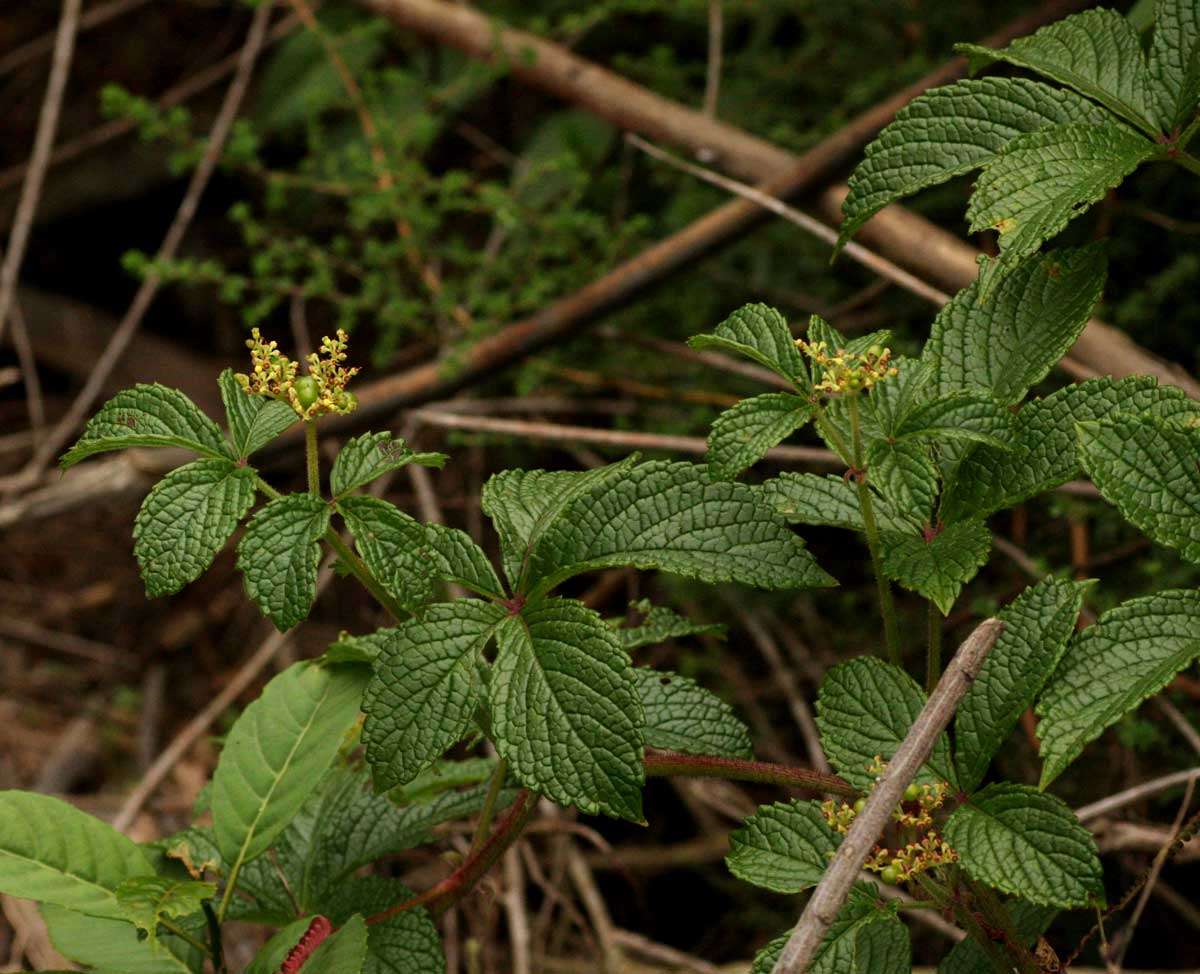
<point>35,172</point>
<point>843,869</point>
<point>41,46</point>
<point>716,42</point>
<point>597,911</point>
<point>515,909</point>
<point>1182,724</point>
<point>29,370</point>
<point>676,960</point>
<point>1105,806</point>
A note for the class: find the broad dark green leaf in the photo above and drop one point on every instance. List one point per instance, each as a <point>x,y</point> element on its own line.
<point>785,847</point>
<point>905,475</point>
<point>278,556</point>
<point>760,333</point>
<point>742,435</point>
<point>454,557</point>
<point>147,900</point>
<point>829,501</point>
<point>683,716</point>
<point>406,943</point>
<point>393,546</point>
<point>968,957</point>
<point>939,567</point>
<point>1175,62</point>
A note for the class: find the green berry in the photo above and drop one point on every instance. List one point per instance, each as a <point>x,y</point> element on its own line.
<point>890,875</point>
<point>912,793</point>
<point>307,391</point>
<point>860,805</point>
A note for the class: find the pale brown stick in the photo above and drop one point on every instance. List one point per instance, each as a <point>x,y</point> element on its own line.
<point>29,370</point>
<point>716,43</point>
<point>1130,795</point>
<point>843,869</point>
<point>41,46</point>
<point>43,141</point>
<point>516,911</point>
<point>676,960</point>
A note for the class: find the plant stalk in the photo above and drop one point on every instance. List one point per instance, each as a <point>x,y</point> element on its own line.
<point>1189,133</point>
<point>495,786</point>
<point>310,452</point>
<point>1188,161</point>
<point>933,658</point>
<point>358,568</point>
<point>667,764</point>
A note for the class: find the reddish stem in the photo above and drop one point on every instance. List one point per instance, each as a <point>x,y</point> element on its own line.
<point>667,764</point>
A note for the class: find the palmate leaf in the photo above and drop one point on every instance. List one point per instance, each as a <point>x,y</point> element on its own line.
<point>278,556</point>
<point>1037,625</point>
<point>669,516</point>
<point>1175,61</point>
<point>146,900</point>
<point>742,435</point>
<point>828,501</point>
<point>371,455</point>
<point>186,519</point>
<point>1130,653</point>
<point>1044,180</point>
<point>1096,52</point>
<point>1008,342</point>
<point>683,716</point>
<point>658,625</point>
<point>865,708</point>
<point>277,751</point>
<point>1027,843</point>
<point>426,687</point>
<point>761,334</point>
<point>54,853</point>
<point>455,558</point>
<point>114,946</point>
<point>149,415</point>
<point>393,546</point>
<point>783,847</point>
<point>937,568</point>
<point>565,713</point>
<point>1151,470</point>
<point>950,131</point>
<point>254,421</point>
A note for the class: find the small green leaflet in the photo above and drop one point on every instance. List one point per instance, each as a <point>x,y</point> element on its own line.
<point>149,415</point>
<point>658,625</point>
<point>1175,61</point>
<point>742,435</point>
<point>371,455</point>
<point>274,952</point>
<point>903,472</point>
<point>1008,342</point>
<point>669,516</point>
<point>426,687</point>
<point>114,947</point>
<point>254,421</point>
<point>937,568</point>
<point>1029,844</point>
<point>344,952</point>
<point>1129,654</point>
<point>145,900</point>
<point>1096,52</point>
<point>1044,180</point>
<point>949,131</point>
<point>1151,470</point>
<point>865,708</point>
<point>456,558</point>
<point>963,416</point>
<point>760,333</point>
<point>1037,626</point>
<point>54,853</point>
<point>277,751</point>
<point>888,404</point>
<point>278,556</point>
<point>392,545</point>
<point>828,501</point>
<point>565,714</point>
<point>186,519</point>
<point>783,847</point>
<point>683,716</point>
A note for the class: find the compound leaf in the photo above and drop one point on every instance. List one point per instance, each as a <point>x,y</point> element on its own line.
<point>742,435</point>
<point>1027,843</point>
<point>278,556</point>
<point>371,455</point>
<point>760,333</point>
<point>683,716</point>
<point>149,415</point>
<point>937,568</point>
<point>186,519</point>
<point>565,713</point>
<point>1130,653</point>
<point>425,690</point>
<point>783,847</point>
<point>393,546</point>
<point>254,421</point>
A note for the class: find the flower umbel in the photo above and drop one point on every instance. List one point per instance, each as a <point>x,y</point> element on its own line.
<point>843,371</point>
<point>323,390</point>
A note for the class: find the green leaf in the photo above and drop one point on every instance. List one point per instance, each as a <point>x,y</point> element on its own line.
<point>54,853</point>
<point>274,952</point>
<point>828,501</point>
<point>148,415</point>
<point>406,943</point>
<point>969,957</point>
<point>371,455</point>
<point>1131,653</point>
<point>1175,61</point>
<point>658,625</point>
<point>393,546</point>
<point>278,556</point>
<point>1151,470</point>
<point>1008,342</point>
<point>423,695</point>
<point>742,435</point>
<point>940,567</point>
<point>1025,842</point>
<point>783,847</point>
<point>1037,625</point>
<point>683,716</point>
<point>888,404</point>
<point>186,519</point>
<point>1045,179</point>
<point>146,900</point>
<point>865,708</point>
<point>1043,451</point>
<point>950,131</point>
<point>565,714</point>
<point>1096,52</point>
<point>669,516</point>
<point>523,504</point>
<point>820,330</point>
<point>905,475</point>
<point>254,421</point>
<point>114,947</point>
<point>959,416</point>
<point>760,333</point>
<point>454,557</point>
<point>344,952</point>
<point>276,753</point>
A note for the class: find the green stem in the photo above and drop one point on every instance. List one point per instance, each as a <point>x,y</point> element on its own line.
<point>214,937</point>
<point>182,934</point>
<point>1188,133</point>
<point>489,806</point>
<point>665,764</point>
<point>1188,161</point>
<point>310,452</point>
<point>933,659</point>
<point>887,606</point>
<point>358,568</point>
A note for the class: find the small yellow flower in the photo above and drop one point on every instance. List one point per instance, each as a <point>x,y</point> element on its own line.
<point>843,371</point>
<point>322,391</point>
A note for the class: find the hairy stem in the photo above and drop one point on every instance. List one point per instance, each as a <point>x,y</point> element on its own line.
<point>358,568</point>
<point>666,764</point>
<point>999,927</point>
<point>933,658</point>
<point>310,452</point>
<point>495,786</point>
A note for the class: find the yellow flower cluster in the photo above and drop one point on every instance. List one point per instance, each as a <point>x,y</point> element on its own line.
<point>322,391</point>
<point>902,865</point>
<point>843,371</point>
